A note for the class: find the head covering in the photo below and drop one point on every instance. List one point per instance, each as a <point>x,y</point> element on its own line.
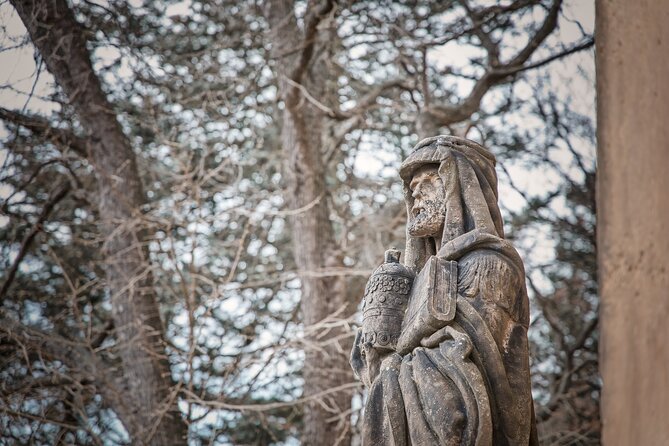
<point>467,171</point>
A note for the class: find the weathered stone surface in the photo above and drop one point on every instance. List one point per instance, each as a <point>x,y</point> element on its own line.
<point>453,369</point>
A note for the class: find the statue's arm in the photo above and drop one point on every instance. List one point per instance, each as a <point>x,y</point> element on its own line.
<point>432,305</point>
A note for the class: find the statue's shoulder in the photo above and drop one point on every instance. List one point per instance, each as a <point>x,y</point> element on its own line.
<point>494,277</point>
<point>492,262</point>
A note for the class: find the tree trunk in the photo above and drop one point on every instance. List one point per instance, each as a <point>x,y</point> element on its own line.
<point>326,370</point>
<point>150,412</point>
<point>632,219</point>
<point>326,366</point>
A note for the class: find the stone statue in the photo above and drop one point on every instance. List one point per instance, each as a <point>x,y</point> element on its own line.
<point>443,346</point>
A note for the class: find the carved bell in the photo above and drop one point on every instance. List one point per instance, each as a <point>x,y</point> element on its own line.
<point>386,297</point>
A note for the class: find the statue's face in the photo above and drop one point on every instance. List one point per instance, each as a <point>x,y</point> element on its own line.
<point>429,207</point>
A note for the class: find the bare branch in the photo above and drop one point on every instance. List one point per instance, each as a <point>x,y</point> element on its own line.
<point>74,355</point>
<point>25,245</point>
<point>447,114</point>
<point>313,18</point>
<point>575,49</point>
<point>42,127</point>
<point>550,22</point>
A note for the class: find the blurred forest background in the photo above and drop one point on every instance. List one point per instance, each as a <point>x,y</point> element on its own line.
<point>193,193</point>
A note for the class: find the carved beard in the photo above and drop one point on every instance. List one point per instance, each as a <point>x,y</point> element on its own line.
<point>429,221</point>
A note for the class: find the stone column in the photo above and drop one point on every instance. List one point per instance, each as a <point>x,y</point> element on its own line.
<point>633,218</point>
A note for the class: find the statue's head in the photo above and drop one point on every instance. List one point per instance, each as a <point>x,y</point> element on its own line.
<point>450,189</point>
<point>428,212</point>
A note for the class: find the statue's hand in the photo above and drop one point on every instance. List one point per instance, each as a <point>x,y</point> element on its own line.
<point>357,361</point>
<point>365,360</point>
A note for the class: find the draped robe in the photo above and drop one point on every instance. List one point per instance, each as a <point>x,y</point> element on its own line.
<point>466,382</point>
